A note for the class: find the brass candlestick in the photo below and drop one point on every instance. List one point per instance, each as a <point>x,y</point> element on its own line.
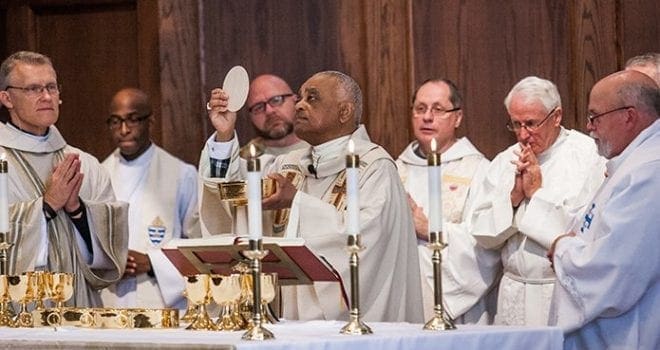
<point>5,312</point>
<point>441,320</point>
<point>355,326</point>
<point>256,330</point>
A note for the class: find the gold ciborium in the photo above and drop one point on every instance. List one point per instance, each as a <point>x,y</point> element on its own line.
<point>23,289</point>
<point>226,292</point>
<point>198,293</point>
<point>235,192</point>
<point>62,288</point>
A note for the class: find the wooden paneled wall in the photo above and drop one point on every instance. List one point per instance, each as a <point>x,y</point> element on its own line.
<point>179,50</point>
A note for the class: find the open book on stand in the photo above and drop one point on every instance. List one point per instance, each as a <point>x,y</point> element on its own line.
<point>293,262</point>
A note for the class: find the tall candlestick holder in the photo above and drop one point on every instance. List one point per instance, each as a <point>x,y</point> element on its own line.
<point>5,312</point>
<point>6,316</point>
<point>256,331</point>
<point>355,326</point>
<point>441,320</point>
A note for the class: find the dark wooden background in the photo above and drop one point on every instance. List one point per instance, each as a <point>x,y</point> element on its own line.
<point>177,50</point>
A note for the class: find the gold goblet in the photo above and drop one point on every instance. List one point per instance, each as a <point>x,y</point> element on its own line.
<point>226,291</point>
<point>62,288</point>
<point>44,280</point>
<point>6,316</point>
<point>198,293</point>
<point>23,289</point>
<point>269,285</point>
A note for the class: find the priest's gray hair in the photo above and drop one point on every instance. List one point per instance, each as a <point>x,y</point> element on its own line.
<point>649,58</point>
<point>534,89</point>
<point>26,57</point>
<point>350,89</point>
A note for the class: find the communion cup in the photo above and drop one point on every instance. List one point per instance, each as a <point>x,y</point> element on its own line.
<point>44,281</point>
<point>23,289</point>
<point>6,314</point>
<point>226,292</point>
<point>61,288</point>
<point>198,293</point>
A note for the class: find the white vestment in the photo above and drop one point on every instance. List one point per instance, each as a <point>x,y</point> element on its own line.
<point>57,245</point>
<point>468,270</point>
<point>571,170</point>
<point>162,193</point>
<point>608,277</point>
<point>389,268</point>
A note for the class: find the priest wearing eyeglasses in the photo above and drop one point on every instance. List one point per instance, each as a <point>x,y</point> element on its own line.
<point>528,196</point>
<point>62,210</point>
<point>162,193</point>
<point>271,108</point>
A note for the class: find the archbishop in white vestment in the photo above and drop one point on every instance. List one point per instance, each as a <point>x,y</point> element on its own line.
<point>57,245</point>
<point>468,270</point>
<point>162,192</point>
<point>389,270</point>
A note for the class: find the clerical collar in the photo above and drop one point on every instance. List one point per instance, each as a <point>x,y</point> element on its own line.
<point>329,150</point>
<point>39,137</point>
<point>141,159</point>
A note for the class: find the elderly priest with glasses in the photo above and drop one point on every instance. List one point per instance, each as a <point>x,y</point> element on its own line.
<point>62,210</point>
<point>528,196</point>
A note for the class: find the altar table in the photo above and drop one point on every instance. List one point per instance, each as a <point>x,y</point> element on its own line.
<point>289,335</point>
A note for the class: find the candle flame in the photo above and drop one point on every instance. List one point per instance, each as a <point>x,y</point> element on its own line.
<point>253,150</point>
<point>351,146</point>
<point>434,145</point>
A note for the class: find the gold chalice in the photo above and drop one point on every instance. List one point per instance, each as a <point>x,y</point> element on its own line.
<point>235,192</point>
<point>6,315</point>
<point>226,291</point>
<point>62,288</point>
<point>198,293</point>
<point>44,280</point>
<point>269,285</point>
<point>23,289</point>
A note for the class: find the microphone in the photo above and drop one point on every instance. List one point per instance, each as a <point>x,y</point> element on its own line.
<point>312,170</point>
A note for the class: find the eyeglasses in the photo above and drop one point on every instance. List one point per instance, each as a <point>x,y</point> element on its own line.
<point>114,122</point>
<point>274,101</point>
<point>530,125</point>
<point>37,90</point>
<point>436,111</point>
<point>591,117</point>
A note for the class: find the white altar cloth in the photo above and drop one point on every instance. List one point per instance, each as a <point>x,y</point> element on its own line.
<point>289,335</point>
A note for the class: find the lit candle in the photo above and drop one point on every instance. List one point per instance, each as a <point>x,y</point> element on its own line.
<point>435,199</point>
<point>352,191</point>
<point>254,195</point>
<point>4,195</point>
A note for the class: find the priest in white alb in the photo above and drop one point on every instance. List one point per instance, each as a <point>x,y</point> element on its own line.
<point>63,214</point>
<point>468,270</point>
<point>528,196</point>
<point>162,193</point>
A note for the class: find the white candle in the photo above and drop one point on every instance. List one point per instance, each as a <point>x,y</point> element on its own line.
<point>435,199</point>
<point>4,195</point>
<point>352,191</point>
<point>254,196</point>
